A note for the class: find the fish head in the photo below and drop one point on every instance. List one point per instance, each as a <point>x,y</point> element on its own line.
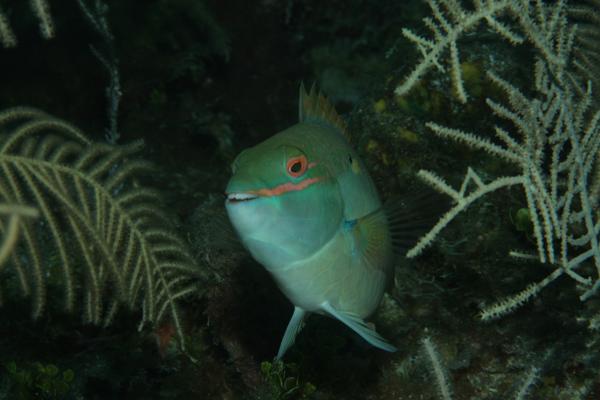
<point>282,202</point>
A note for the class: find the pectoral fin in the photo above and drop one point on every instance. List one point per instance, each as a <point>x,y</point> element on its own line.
<point>359,326</point>
<point>411,216</point>
<point>294,326</point>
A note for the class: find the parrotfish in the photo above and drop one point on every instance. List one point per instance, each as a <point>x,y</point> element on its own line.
<point>304,205</point>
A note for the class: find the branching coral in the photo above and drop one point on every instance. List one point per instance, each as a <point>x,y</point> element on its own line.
<point>543,26</point>
<point>554,141</point>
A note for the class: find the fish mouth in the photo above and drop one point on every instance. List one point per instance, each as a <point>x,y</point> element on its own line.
<point>240,197</point>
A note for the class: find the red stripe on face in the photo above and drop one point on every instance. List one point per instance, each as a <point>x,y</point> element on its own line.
<point>285,188</point>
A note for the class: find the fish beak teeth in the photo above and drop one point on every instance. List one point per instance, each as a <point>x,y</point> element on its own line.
<point>239,197</point>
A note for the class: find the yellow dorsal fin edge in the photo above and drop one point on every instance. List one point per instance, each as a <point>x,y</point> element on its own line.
<point>314,107</point>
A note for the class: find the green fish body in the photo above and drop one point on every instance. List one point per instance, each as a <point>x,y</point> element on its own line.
<point>305,207</point>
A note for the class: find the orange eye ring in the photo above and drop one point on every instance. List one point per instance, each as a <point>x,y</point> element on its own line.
<point>296,166</point>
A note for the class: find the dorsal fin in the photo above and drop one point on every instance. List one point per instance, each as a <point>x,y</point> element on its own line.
<point>313,107</point>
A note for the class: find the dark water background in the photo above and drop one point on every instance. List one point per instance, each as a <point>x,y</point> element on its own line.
<point>202,80</point>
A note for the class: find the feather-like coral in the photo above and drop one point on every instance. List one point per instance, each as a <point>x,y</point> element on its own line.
<point>113,244</point>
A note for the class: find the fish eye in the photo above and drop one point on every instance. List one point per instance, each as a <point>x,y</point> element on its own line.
<point>296,166</point>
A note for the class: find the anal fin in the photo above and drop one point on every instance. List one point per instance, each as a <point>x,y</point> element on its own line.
<point>359,326</point>
<point>294,326</point>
